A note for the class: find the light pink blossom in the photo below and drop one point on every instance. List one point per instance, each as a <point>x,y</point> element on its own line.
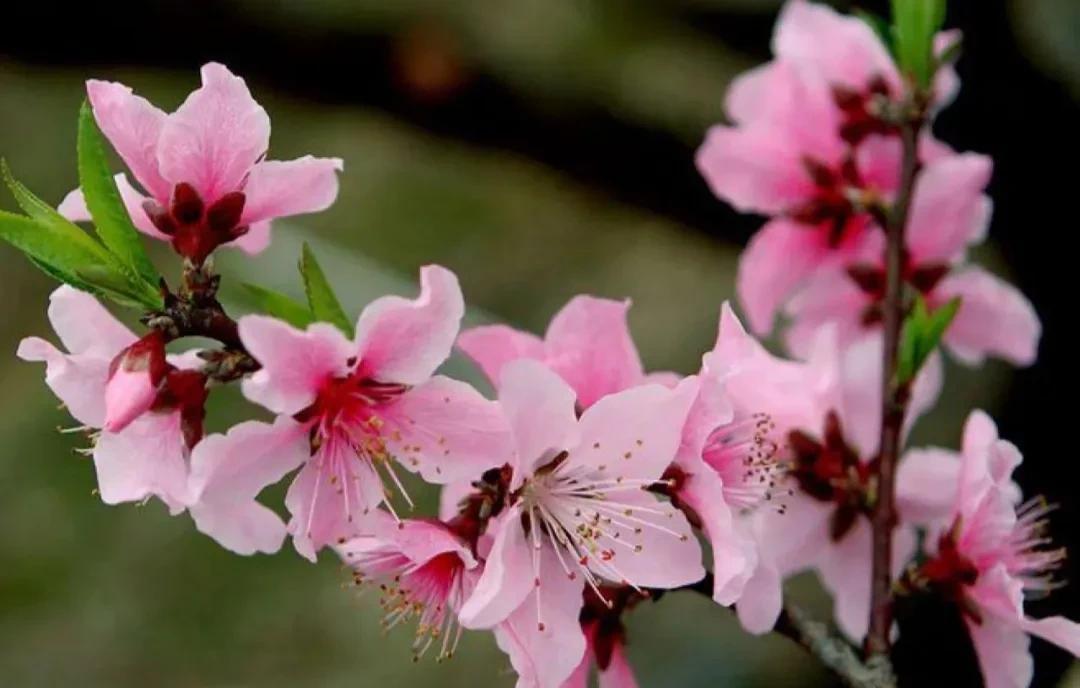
<point>795,150</point>
<point>949,214</point>
<point>588,344</point>
<point>202,168</point>
<point>145,453</point>
<point>777,463</point>
<point>424,571</point>
<point>580,514</point>
<point>992,554</point>
<point>358,407</point>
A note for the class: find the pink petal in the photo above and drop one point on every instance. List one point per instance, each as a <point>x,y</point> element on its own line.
<point>949,210</point>
<point>845,572</point>
<point>216,136</point>
<point>634,434</point>
<point>402,340</point>
<point>255,240</point>
<point>227,473</point>
<point>445,430</point>
<point>539,407</point>
<point>753,170</point>
<point>134,127</point>
<point>830,298</point>
<point>295,363</point>
<point>128,394</point>
<point>421,541</point>
<point>995,319</point>
<point>780,257</point>
<point>843,49</point>
<point>508,576</point>
<point>493,346</point>
<point>619,673</point>
<point>78,381</point>
<point>545,658</point>
<point>73,207</point>
<point>326,510</point>
<point>148,458</point>
<point>589,345</point>
<point>84,325</point>
<point>1002,650</point>
<point>733,556</point>
<point>946,82</point>
<point>927,483</point>
<point>294,187</point>
<point>1058,630</point>
<point>762,599</point>
<point>578,679</point>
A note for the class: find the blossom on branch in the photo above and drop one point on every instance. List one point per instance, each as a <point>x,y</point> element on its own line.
<point>204,177</point>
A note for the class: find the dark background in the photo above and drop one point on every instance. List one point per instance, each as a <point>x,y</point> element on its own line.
<point>597,104</point>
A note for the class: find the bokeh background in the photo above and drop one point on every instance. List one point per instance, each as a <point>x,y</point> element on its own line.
<point>540,148</point>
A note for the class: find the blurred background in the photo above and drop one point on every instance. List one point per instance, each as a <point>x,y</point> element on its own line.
<point>540,148</point>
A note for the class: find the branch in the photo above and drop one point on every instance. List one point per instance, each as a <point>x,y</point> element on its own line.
<point>894,399</point>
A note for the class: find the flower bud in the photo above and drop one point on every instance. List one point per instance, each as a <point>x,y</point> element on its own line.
<point>134,376</point>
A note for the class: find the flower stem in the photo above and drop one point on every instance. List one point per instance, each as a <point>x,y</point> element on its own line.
<point>894,398</point>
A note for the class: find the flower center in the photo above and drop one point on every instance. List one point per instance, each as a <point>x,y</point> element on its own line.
<point>430,593</point>
<point>592,519</point>
<point>832,206</point>
<point>861,112</point>
<point>196,230</point>
<point>745,455</point>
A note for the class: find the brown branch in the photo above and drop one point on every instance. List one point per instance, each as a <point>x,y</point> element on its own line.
<point>894,399</point>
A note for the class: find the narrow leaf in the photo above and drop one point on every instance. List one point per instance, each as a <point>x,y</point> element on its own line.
<point>111,219</point>
<point>279,305</point>
<point>324,303</point>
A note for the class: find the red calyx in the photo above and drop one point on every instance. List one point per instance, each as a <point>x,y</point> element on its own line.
<point>859,119</point>
<point>830,204</point>
<point>146,354</point>
<point>195,229</point>
<point>830,471</point>
<point>185,390</point>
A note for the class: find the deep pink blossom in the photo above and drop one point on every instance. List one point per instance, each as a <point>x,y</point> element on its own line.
<point>993,552</point>
<point>580,514</point>
<point>949,213</point>
<point>204,177</point>
<point>588,344</point>
<point>424,571</point>
<point>360,407</point>
<point>796,150</point>
<point>145,434</point>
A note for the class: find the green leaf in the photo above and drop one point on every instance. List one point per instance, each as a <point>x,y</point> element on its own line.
<point>66,253</point>
<point>111,219</point>
<point>279,305</point>
<point>915,23</point>
<point>922,334</point>
<point>324,303</point>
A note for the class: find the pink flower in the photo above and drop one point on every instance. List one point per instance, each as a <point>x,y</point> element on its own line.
<point>148,423</point>
<point>777,463</point>
<point>949,213</point>
<point>423,569</point>
<point>579,514</point>
<point>203,167</point>
<point>350,409</point>
<point>797,150</point>
<point>993,553</point>
<point>732,461</point>
<point>588,344</point>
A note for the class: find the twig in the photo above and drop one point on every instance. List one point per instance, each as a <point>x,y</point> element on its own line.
<point>894,399</point>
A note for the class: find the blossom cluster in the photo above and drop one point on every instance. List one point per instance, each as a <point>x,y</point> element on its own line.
<point>588,485</point>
